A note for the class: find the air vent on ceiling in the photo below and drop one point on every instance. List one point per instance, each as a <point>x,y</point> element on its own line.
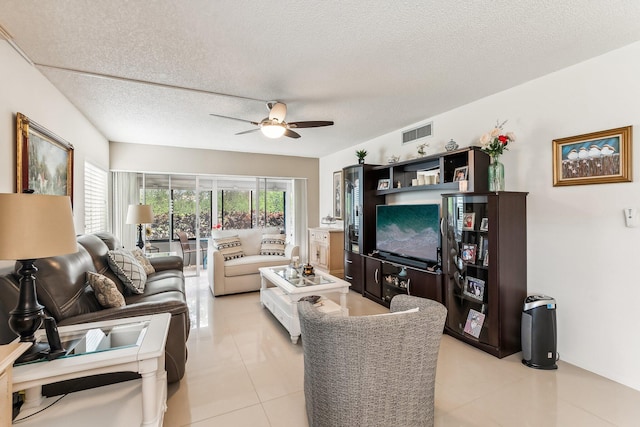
<point>417,133</point>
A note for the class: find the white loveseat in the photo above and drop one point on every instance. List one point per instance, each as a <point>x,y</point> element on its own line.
<point>241,274</point>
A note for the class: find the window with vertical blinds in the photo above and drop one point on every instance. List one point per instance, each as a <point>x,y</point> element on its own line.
<point>95,198</point>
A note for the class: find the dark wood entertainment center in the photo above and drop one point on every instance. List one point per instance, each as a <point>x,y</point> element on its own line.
<point>483,292</point>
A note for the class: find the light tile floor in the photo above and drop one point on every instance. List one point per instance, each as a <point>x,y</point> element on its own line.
<point>244,371</point>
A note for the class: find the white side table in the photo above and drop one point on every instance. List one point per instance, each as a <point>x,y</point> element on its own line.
<point>133,344</point>
<point>8,354</point>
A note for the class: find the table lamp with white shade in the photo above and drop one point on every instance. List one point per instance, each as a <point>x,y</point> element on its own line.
<point>139,214</point>
<point>33,226</point>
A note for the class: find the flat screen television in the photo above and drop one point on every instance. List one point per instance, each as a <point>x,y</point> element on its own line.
<point>408,231</point>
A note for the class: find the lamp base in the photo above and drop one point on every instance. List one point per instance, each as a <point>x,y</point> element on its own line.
<point>140,243</point>
<point>37,351</point>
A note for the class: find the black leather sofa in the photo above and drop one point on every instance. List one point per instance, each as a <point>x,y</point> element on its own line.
<point>63,290</point>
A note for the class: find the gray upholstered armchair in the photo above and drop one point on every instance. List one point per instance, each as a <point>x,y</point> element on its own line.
<point>372,370</point>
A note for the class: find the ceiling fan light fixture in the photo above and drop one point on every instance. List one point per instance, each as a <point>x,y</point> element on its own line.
<point>273,130</point>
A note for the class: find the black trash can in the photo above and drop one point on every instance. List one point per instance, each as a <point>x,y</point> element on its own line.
<point>538,330</point>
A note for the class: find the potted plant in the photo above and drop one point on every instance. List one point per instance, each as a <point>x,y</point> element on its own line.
<point>361,154</point>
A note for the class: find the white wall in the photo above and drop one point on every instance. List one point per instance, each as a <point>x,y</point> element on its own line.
<point>25,90</point>
<point>579,250</point>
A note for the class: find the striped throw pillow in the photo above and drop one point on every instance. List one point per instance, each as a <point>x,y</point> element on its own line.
<point>229,247</point>
<point>272,244</point>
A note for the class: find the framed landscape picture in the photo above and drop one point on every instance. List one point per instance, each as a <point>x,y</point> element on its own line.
<point>44,161</point>
<point>593,158</point>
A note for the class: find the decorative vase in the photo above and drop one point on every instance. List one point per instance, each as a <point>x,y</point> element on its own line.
<point>496,175</point>
<point>451,145</point>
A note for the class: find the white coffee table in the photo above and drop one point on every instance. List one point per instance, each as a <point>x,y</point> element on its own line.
<point>282,299</point>
<point>134,344</point>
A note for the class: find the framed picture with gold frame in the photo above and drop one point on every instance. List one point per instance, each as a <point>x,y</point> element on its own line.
<point>593,158</point>
<point>44,161</point>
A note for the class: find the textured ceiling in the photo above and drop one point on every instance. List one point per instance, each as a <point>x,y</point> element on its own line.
<point>370,66</point>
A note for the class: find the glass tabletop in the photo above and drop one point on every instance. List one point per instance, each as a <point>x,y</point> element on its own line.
<point>296,278</point>
<point>96,340</point>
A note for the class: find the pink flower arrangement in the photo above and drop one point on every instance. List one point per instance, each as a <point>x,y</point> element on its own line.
<point>216,227</point>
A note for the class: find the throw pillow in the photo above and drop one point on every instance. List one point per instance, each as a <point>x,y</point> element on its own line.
<point>229,247</point>
<point>128,269</point>
<point>143,260</point>
<point>272,244</point>
<point>106,291</point>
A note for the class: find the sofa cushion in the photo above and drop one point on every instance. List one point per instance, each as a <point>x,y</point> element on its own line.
<point>106,291</point>
<point>128,269</point>
<point>250,238</point>
<point>229,247</point>
<point>272,244</point>
<point>251,264</point>
<point>143,260</point>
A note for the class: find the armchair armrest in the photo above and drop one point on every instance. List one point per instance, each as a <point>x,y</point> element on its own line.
<point>133,310</point>
<point>167,263</point>
<point>291,250</point>
<point>215,272</point>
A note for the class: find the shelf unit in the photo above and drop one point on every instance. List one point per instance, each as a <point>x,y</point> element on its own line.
<point>385,279</point>
<point>438,168</point>
<point>485,267</point>
<point>360,201</point>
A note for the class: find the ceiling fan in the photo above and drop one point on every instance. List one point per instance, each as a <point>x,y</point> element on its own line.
<point>274,126</point>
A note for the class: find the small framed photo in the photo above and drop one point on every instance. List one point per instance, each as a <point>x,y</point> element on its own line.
<point>469,252</point>
<point>485,261</point>
<point>474,288</point>
<point>460,174</point>
<point>484,224</point>
<point>474,323</point>
<point>468,221</point>
<point>384,184</point>
<point>480,247</point>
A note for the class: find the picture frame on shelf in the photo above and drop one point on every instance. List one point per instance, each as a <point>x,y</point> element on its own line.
<point>468,221</point>
<point>44,161</point>
<point>384,184</point>
<point>337,195</point>
<point>484,224</point>
<point>593,158</point>
<point>473,325</point>
<point>469,252</point>
<point>474,288</point>
<point>485,260</point>
<point>460,174</point>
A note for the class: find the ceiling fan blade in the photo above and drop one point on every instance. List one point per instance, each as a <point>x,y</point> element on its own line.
<point>278,111</point>
<point>312,124</point>
<point>248,131</point>
<point>291,134</point>
<point>233,118</point>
